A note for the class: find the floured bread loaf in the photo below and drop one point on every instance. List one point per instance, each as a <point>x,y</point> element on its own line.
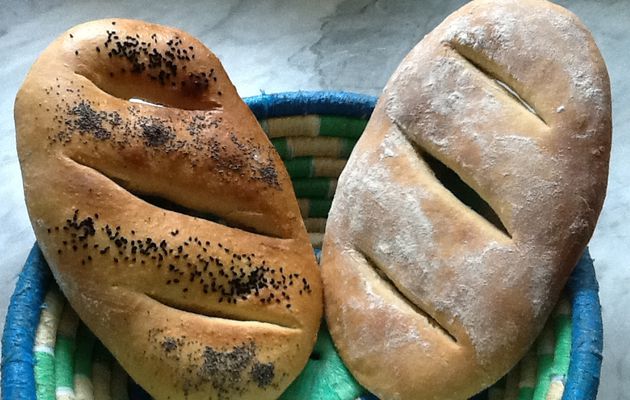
<point>173,231</point>
<point>468,200</point>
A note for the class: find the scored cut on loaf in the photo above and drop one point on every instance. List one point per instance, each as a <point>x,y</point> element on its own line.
<point>468,200</point>
<point>171,227</point>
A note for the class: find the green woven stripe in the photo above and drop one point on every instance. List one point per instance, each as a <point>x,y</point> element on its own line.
<point>311,167</point>
<point>347,147</point>
<point>64,354</point>
<point>341,126</point>
<point>314,208</point>
<point>301,167</point>
<point>545,362</point>
<point>281,147</point>
<point>321,146</point>
<point>545,348</point>
<point>83,356</point>
<point>319,208</point>
<point>555,339</point>
<point>313,125</point>
<point>562,355</point>
<point>45,337</point>
<point>525,393</point>
<point>45,375</point>
<point>315,188</point>
<point>325,376</point>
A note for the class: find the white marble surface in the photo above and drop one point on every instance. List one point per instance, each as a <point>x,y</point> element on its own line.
<point>353,45</point>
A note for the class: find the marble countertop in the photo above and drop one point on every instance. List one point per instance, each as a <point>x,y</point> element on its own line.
<point>351,45</point>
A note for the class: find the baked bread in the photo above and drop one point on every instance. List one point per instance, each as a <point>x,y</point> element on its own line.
<point>468,200</point>
<point>171,227</point>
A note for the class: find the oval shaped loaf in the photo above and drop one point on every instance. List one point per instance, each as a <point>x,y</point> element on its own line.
<point>173,230</point>
<point>432,295</point>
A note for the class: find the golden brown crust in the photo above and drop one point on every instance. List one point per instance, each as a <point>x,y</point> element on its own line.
<point>425,297</point>
<point>188,306</point>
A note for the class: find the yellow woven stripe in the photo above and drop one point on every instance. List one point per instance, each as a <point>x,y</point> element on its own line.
<point>304,205</point>
<point>303,125</point>
<point>82,387</point>
<point>316,239</point>
<point>556,390</point>
<point>528,370</point>
<point>320,146</point>
<point>69,322</point>
<point>563,307</point>
<point>546,342</point>
<point>328,167</point>
<point>315,225</point>
<point>264,125</point>
<point>46,334</point>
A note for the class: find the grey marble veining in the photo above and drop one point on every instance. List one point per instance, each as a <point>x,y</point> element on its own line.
<point>352,45</point>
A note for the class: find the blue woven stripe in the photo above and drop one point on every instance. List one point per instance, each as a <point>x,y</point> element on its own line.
<point>586,346</point>
<point>302,103</point>
<point>24,309</point>
<point>18,360</point>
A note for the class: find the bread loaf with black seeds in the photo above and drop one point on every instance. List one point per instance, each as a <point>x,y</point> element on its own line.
<point>468,200</point>
<point>172,227</point>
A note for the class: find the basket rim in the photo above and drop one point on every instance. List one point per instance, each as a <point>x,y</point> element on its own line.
<point>22,317</point>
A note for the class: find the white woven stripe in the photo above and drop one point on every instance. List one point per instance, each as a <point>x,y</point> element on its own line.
<point>64,393</point>
<point>49,320</point>
<point>43,348</point>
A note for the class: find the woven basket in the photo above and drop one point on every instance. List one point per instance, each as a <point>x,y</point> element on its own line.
<point>48,353</point>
